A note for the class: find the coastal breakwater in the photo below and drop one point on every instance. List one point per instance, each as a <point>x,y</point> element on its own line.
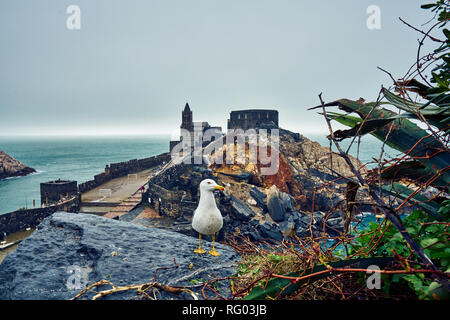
<point>120,169</point>
<point>22,219</point>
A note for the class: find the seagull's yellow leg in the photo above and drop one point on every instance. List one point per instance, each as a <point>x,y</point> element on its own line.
<point>199,250</point>
<point>213,251</point>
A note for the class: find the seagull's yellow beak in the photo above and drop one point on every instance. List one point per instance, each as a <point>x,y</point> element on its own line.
<point>219,188</point>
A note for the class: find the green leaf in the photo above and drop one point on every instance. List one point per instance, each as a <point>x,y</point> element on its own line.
<point>400,134</point>
<point>362,129</point>
<point>428,241</point>
<point>413,170</point>
<point>447,33</point>
<point>428,6</point>
<point>435,289</point>
<point>415,283</point>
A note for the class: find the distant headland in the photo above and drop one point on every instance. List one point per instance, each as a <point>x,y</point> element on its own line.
<point>10,167</point>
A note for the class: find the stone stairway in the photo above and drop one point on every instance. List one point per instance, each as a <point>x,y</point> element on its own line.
<point>135,199</point>
<point>125,206</point>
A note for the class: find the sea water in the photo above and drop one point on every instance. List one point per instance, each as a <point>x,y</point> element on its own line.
<point>68,158</point>
<point>80,158</point>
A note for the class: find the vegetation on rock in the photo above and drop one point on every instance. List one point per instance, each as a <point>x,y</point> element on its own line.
<point>410,254</point>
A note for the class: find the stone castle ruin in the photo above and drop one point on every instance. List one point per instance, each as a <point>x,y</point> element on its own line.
<point>253,119</point>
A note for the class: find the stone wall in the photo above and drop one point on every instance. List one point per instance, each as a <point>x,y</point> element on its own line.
<point>165,202</point>
<point>29,218</point>
<point>175,193</point>
<point>53,191</point>
<point>120,169</point>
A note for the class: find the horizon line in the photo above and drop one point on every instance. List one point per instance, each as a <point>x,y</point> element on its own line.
<point>56,134</point>
<point>112,134</point>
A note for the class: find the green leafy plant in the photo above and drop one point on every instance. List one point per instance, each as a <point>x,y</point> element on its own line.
<point>433,237</point>
<point>418,127</point>
<point>279,287</point>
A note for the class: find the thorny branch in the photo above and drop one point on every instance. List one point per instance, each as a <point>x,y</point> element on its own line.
<point>388,213</point>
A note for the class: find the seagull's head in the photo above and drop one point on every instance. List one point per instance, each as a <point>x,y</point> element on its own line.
<point>210,185</point>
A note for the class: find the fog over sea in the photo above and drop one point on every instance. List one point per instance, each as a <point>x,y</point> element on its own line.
<point>81,157</point>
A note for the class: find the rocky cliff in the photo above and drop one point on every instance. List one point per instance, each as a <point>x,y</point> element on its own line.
<point>10,167</point>
<point>70,251</point>
<point>262,207</point>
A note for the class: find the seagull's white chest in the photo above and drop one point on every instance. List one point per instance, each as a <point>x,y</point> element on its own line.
<point>207,217</point>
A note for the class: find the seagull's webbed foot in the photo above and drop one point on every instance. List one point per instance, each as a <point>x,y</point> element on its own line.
<point>200,251</point>
<point>214,253</point>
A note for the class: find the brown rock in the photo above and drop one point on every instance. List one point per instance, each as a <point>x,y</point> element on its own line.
<point>10,167</point>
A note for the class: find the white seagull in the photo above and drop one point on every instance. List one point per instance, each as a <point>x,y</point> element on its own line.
<point>207,217</point>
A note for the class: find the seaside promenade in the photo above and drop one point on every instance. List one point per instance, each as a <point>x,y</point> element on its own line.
<point>118,196</point>
<point>108,196</point>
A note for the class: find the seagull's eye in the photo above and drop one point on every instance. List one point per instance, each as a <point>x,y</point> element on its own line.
<point>209,182</point>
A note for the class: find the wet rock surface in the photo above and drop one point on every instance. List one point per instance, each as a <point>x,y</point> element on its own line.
<point>46,264</point>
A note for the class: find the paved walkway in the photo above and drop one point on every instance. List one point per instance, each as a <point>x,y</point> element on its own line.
<point>125,190</point>
<point>117,190</point>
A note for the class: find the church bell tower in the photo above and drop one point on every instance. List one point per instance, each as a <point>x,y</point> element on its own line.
<point>187,122</point>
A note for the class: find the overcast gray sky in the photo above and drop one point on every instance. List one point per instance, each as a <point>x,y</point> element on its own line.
<point>133,64</point>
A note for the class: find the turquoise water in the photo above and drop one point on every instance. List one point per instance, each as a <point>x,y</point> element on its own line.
<point>80,158</point>
<point>72,158</point>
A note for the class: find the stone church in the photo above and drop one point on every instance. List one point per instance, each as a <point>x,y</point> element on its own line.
<point>187,123</point>
<point>240,119</point>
